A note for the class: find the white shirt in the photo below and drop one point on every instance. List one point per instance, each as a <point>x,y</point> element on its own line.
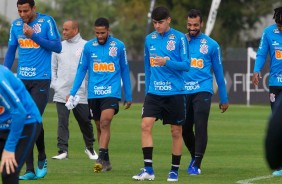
<point>64,66</point>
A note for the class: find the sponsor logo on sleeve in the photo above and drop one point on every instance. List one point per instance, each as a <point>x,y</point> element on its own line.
<point>51,27</point>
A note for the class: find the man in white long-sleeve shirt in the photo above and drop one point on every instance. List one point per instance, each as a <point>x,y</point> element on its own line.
<point>64,67</point>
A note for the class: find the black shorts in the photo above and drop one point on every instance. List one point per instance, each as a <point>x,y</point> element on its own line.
<point>171,109</point>
<point>275,92</point>
<point>25,145</point>
<point>97,105</point>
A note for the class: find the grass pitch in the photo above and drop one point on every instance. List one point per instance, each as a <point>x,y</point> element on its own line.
<point>235,151</point>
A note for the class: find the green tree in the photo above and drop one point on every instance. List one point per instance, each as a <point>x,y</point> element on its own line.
<point>233,17</point>
<point>4,31</point>
<point>128,18</point>
<point>4,34</point>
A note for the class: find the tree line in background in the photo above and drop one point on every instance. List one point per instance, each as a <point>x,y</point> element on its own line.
<point>129,18</point>
<point>4,31</point>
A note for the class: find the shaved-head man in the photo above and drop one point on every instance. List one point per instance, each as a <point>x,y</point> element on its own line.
<point>64,67</point>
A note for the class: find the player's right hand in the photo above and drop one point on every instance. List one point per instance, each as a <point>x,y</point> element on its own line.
<point>223,107</point>
<point>255,79</point>
<point>127,105</point>
<point>8,162</point>
<point>27,30</point>
<point>70,103</point>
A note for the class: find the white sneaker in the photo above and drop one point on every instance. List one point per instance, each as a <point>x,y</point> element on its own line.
<point>144,175</point>
<point>61,156</point>
<point>91,154</point>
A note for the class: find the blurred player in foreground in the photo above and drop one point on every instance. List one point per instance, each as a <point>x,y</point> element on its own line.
<point>19,122</point>
<point>35,36</point>
<point>273,139</point>
<point>271,42</point>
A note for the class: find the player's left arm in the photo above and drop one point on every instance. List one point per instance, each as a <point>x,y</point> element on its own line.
<point>219,76</point>
<point>53,40</point>
<point>52,45</point>
<point>81,71</point>
<point>260,58</point>
<point>262,53</point>
<point>125,75</point>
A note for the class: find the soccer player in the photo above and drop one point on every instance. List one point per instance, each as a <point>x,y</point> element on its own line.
<point>64,66</point>
<point>19,121</point>
<point>166,57</point>
<point>105,59</point>
<point>35,36</point>
<point>271,41</point>
<point>205,58</point>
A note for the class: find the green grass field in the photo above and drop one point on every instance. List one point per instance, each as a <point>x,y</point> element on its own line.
<point>234,153</point>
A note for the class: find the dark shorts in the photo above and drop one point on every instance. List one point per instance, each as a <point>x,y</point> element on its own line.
<point>170,109</point>
<point>23,148</point>
<point>97,105</point>
<point>275,92</point>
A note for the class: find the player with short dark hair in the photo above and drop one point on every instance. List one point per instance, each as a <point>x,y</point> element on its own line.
<point>271,41</point>
<point>205,60</point>
<point>19,121</point>
<point>105,59</point>
<point>166,57</point>
<point>36,36</point>
<point>102,22</point>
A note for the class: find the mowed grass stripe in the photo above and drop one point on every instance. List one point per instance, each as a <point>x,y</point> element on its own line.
<point>234,152</point>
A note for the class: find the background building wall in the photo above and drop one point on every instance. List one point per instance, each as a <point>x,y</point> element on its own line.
<point>9,9</point>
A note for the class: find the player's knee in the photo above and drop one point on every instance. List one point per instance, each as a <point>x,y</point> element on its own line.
<point>176,133</point>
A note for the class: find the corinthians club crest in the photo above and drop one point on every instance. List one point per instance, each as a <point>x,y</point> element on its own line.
<point>113,51</point>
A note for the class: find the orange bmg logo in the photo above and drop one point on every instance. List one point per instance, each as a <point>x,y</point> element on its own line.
<point>278,54</point>
<point>103,67</point>
<point>27,43</point>
<point>152,61</point>
<point>197,63</point>
<point>2,110</point>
